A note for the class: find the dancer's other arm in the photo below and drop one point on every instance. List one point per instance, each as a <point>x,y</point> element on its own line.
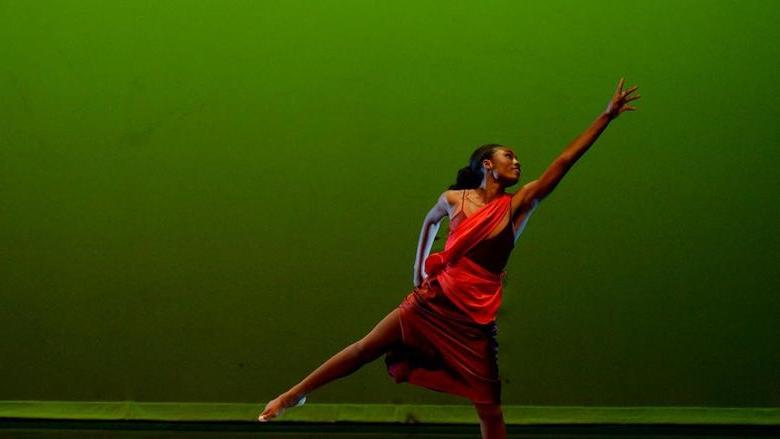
<point>536,190</point>
<point>429,229</point>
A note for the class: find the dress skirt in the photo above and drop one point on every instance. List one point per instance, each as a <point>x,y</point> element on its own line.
<point>443,349</point>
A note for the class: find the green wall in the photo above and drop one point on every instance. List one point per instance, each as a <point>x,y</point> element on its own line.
<point>203,200</point>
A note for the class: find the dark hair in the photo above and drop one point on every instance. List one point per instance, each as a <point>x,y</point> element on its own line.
<point>470,177</point>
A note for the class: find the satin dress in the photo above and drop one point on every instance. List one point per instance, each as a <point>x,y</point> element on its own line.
<point>449,334</point>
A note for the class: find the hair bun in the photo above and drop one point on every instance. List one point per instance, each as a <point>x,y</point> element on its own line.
<point>467,178</point>
<point>470,177</point>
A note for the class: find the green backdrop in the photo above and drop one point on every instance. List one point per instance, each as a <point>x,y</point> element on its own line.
<point>200,201</point>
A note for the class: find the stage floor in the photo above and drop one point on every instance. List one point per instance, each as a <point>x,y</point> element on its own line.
<point>50,429</point>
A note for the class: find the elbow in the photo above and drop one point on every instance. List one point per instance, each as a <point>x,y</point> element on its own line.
<point>433,219</point>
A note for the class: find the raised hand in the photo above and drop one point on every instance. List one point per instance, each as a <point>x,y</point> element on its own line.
<point>619,100</point>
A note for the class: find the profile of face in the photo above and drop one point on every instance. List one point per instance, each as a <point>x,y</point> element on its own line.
<point>504,165</point>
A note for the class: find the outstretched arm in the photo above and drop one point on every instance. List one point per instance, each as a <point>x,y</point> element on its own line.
<point>429,229</point>
<point>536,190</point>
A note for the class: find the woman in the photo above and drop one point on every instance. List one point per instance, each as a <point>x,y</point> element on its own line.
<point>443,334</point>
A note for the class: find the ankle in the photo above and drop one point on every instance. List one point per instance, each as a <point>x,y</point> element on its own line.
<point>291,398</point>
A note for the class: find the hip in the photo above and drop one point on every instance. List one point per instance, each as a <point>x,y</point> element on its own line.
<point>430,301</point>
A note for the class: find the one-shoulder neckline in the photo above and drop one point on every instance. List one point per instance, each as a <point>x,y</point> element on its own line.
<point>510,225</point>
<point>462,211</point>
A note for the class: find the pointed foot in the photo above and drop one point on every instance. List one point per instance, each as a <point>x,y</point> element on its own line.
<point>277,406</point>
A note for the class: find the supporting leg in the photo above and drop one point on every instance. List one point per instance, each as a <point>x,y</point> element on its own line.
<point>378,341</point>
<point>491,420</point>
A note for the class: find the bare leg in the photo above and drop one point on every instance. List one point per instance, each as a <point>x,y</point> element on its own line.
<point>378,341</point>
<point>491,420</point>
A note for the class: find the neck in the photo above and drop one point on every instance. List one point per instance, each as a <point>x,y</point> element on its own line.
<point>490,189</point>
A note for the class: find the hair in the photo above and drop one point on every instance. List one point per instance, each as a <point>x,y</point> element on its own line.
<point>470,177</point>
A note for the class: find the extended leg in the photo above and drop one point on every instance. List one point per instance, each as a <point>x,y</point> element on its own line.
<point>378,341</point>
<point>491,420</point>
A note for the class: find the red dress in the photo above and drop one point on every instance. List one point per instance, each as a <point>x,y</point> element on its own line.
<point>448,323</point>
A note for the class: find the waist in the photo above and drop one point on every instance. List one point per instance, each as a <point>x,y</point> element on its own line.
<point>467,270</point>
<point>473,289</point>
<point>431,297</point>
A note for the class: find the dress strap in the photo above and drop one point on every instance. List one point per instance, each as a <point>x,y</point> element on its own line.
<point>462,204</point>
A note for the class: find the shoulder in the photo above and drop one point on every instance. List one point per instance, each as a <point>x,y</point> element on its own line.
<point>455,198</point>
<point>442,208</point>
<point>452,197</point>
<point>450,200</point>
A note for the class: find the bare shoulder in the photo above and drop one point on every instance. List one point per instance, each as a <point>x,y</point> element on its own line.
<point>442,208</point>
<point>450,199</point>
<point>452,196</point>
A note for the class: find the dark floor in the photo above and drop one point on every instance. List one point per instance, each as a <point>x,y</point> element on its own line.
<point>48,429</point>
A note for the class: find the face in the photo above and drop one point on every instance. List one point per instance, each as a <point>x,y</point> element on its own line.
<point>505,165</point>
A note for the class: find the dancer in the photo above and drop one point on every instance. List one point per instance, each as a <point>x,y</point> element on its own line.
<point>443,334</point>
